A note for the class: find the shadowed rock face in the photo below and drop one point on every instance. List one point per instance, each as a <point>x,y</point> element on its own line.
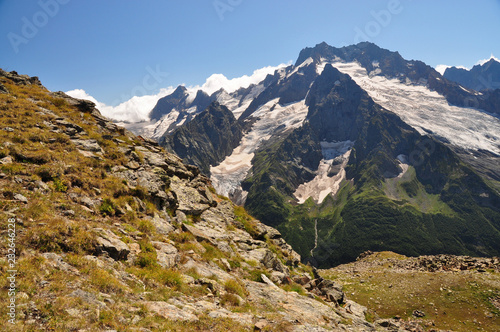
<point>207,139</point>
<point>480,77</point>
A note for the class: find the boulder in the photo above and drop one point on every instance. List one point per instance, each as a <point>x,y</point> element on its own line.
<point>169,311</point>
<point>162,226</point>
<point>57,261</point>
<point>166,254</point>
<point>108,242</point>
<point>21,198</point>
<point>88,145</point>
<point>356,309</point>
<point>189,199</point>
<point>6,160</point>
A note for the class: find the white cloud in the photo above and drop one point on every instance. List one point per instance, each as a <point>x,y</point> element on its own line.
<point>137,109</point>
<point>217,81</point>
<point>441,68</point>
<point>482,62</point>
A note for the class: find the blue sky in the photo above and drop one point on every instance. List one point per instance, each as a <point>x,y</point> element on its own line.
<point>116,48</point>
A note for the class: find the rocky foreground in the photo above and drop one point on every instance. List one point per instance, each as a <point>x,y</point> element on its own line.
<point>426,293</point>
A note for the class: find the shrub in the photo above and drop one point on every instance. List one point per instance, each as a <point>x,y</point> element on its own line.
<point>105,282</point>
<point>230,299</point>
<point>57,235</point>
<point>246,220</point>
<point>235,287</point>
<point>146,259</point>
<point>107,207</point>
<point>146,226</point>
<point>59,185</point>
<point>181,237</point>
<point>294,288</point>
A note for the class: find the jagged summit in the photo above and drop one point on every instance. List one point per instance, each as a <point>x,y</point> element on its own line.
<point>481,77</point>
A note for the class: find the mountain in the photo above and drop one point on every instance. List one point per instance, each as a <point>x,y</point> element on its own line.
<point>481,77</point>
<point>207,139</point>
<point>111,232</point>
<point>355,148</point>
<point>181,106</point>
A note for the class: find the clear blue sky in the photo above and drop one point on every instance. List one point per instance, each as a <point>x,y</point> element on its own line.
<point>106,46</point>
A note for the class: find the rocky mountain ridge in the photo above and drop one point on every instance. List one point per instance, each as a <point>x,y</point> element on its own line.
<point>480,77</point>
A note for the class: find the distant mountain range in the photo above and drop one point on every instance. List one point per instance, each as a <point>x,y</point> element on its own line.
<point>481,77</point>
<point>350,149</point>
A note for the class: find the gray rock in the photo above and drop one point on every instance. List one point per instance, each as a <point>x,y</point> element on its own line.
<point>88,298</point>
<point>162,226</point>
<point>21,198</point>
<point>169,311</point>
<point>39,186</point>
<point>199,235</point>
<point>110,243</point>
<point>356,309</point>
<point>389,324</point>
<point>335,296</point>
<point>166,254</point>
<point>277,277</point>
<point>133,165</point>
<point>57,261</point>
<point>87,201</point>
<point>88,145</point>
<point>189,199</point>
<point>266,280</point>
<point>211,284</point>
<point>268,259</point>
<point>6,160</point>
<point>180,216</point>
<point>3,89</point>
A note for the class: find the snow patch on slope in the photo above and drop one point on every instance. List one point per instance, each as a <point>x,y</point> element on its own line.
<point>334,153</point>
<point>272,118</point>
<point>427,111</point>
<point>403,163</point>
<point>306,63</point>
<point>238,104</point>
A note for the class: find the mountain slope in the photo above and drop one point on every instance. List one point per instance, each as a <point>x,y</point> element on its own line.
<point>356,148</point>
<point>363,215</point>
